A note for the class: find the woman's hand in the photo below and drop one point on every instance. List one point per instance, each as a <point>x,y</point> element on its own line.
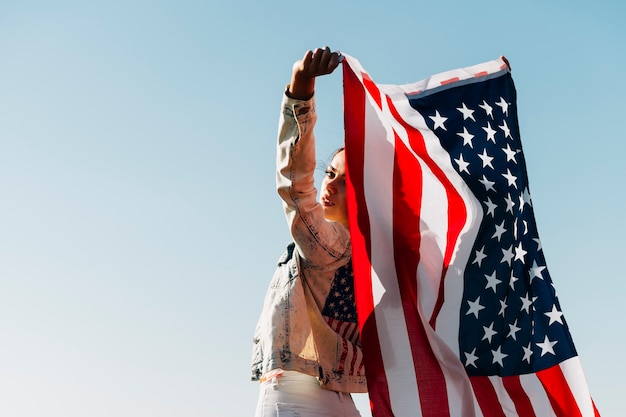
<point>314,63</point>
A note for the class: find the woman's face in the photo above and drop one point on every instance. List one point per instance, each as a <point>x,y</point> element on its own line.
<point>333,192</point>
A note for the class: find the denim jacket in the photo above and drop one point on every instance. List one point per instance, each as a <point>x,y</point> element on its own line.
<point>308,320</point>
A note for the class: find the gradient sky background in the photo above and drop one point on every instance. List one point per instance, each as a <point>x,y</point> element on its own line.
<point>139,225</point>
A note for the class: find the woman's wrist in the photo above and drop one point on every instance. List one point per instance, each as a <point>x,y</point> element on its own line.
<point>301,87</point>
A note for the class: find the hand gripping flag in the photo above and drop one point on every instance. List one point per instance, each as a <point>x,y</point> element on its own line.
<point>457,310</point>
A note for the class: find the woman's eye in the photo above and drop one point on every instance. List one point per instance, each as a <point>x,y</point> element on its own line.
<point>330,174</point>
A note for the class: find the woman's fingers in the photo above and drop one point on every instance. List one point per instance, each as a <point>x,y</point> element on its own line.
<point>323,61</point>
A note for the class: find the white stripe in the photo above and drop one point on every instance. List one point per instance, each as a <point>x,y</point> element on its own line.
<point>506,403</point>
<point>573,371</point>
<point>433,230</point>
<point>537,395</point>
<point>433,83</point>
<point>390,321</point>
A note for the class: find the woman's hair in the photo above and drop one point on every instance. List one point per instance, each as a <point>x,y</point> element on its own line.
<point>323,165</point>
<point>335,152</point>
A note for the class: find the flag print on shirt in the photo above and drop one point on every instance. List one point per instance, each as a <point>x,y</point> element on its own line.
<point>340,308</point>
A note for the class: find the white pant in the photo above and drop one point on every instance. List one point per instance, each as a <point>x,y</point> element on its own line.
<point>294,394</point>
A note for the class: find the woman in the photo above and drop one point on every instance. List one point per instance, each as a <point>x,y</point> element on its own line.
<point>307,353</point>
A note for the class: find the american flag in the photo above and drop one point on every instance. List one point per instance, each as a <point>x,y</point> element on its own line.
<point>457,310</point>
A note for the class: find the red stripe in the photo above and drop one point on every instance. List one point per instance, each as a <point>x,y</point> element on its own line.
<point>486,397</point>
<point>344,355</point>
<point>519,397</point>
<point>354,119</point>
<point>372,89</point>
<point>353,334</point>
<point>407,191</point>
<point>558,391</point>
<point>595,410</point>
<point>450,81</point>
<point>359,370</point>
<point>339,328</point>
<point>354,359</point>
<point>330,322</point>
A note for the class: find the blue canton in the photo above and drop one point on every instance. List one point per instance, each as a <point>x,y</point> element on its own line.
<point>510,320</point>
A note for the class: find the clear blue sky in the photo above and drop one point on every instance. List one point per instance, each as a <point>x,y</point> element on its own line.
<point>139,225</point>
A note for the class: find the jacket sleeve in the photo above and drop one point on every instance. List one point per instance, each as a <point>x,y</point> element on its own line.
<point>319,242</point>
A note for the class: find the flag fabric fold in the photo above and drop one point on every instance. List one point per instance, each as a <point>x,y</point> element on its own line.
<point>457,310</point>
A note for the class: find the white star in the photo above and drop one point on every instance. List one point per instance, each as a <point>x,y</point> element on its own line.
<point>488,109</point>
<point>525,227</point>
<point>471,358</point>
<point>515,229</point>
<point>462,164</point>
<point>492,281</point>
<point>490,207</point>
<point>512,281</point>
<point>486,159</point>
<point>547,346</point>
<point>489,332</point>
<point>506,130</point>
<point>503,307</point>
<point>467,137</point>
<point>528,352</point>
<point>510,153</point>
<point>474,307</point>
<point>507,255</point>
<point>509,203</point>
<point>488,184</point>
<point>504,106</point>
<point>491,134</point>
<point>520,252</point>
<point>513,329</point>
<point>554,315</point>
<point>521,202</point>
<point>499,231</point>
<point>536,271</point>
<point>538,244</point>
<point>498,356</point>
<point>480,255</point>
<point>527,198</point>
<point>438,120</point>
<point>512,179</point>
<point>467,113</point>
<point>526,303</point>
